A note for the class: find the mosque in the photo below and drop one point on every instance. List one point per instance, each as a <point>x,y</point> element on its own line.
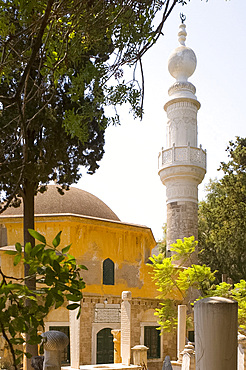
<point>116,253</point>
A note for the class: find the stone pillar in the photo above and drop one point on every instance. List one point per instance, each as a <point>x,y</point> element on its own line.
<point>140,355</point>
<point>241,352</point>
<point>216,324</point>
<point>181,332</point>
<point>117,343</point>
<point>126,328</point>
<point>188,358</point>
<point>74,324</point>
<point>54,343</point>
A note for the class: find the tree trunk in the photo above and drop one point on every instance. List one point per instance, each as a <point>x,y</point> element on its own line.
<point>28,202</point>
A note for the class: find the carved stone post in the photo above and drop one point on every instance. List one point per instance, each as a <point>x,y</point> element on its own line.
<point>188,358</point>
<point>54,344</point>
<point>241,352</point>
<point>126,327</point>
<point>74,338</point>
<point>181,332</point>
<point>117,343</point>
<point>140,355</point>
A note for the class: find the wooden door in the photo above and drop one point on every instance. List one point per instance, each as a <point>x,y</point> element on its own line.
<point>105,347</point>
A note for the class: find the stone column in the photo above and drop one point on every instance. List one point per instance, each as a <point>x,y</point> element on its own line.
<point>54,343</point>
<point>117,343</point>
<point>126,328</point>
<point>181,332</point>
<point>216,326</point>
<point>188,358</point>
<point>140,355</point>
<point>74,324</point>
<point>241,352</point>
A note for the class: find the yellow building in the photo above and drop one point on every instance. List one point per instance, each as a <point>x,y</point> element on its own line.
<point>116,255</point>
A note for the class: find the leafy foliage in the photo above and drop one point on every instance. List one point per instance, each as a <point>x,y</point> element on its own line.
<point>23,310</point>
<point>183,285</point>
<point>222,217</point>
<point>61,64</point>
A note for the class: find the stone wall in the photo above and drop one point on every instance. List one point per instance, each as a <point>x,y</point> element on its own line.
<point>142,312</point>
<point>182,219</point>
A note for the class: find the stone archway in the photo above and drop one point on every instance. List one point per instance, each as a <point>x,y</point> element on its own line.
<point>105,347</point>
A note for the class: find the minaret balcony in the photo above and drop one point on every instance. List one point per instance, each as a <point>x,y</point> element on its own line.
<point>180,160</point>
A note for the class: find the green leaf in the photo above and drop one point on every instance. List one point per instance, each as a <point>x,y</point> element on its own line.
<point>36,249</point>
<point>79,312</point>
<point>73,306</point>
<point>17,259</point>
<point>28,248</point>
<point>18,247</point>
<point>11,253</point>
<point>56,266</point>
<point>74,297</point>
<point>83,267</point>
<point>66,249</point>
<point>57,240</point>
<point>37,236</point>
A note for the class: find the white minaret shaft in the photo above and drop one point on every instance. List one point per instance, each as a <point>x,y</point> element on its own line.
<point>182,166</point>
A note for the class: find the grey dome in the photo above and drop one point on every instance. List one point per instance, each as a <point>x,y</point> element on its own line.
<point>75,201</point>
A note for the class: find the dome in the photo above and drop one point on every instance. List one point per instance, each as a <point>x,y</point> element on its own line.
<point>74,201</point>
<point>182,61</point>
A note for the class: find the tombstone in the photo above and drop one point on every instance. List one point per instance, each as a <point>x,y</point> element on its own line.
<point>74,324</point>
<point>216,326</point>
<point>181,332</point>
<point>241,352</point>
<point>140,355</point>
<point>188,358</point>
<point>126,328</point>
<point>54,343</point>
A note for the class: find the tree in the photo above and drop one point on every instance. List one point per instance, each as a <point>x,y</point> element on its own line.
<point>57,58</point>
<point>222,217</point>
<point>183,285</point>
<point>60,66</point>
<point>58,282</point>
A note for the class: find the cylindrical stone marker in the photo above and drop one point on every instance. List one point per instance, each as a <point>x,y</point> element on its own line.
<point>181,332</point>
<point>216,334</point>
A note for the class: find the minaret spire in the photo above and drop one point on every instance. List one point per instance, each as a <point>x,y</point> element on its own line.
<point>182,165</point>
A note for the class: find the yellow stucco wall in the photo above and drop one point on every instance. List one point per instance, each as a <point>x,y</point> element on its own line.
<point>94,240</point>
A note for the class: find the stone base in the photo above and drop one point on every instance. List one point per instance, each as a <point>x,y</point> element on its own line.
<point>176,365</point>
<point>105,366</point>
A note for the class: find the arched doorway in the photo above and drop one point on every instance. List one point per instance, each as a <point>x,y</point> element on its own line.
<point>105,347</point>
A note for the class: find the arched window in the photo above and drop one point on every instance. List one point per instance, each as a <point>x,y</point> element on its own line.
<point>108,272</point>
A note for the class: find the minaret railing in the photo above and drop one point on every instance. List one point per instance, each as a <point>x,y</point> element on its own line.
<point>182,155</point>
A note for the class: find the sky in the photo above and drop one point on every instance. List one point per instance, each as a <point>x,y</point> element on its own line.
<point>127,180</point>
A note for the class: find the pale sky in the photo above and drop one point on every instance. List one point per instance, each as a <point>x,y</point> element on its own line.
<point>127,180</point>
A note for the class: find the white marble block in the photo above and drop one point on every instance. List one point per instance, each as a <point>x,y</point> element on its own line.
<point>126,328</point>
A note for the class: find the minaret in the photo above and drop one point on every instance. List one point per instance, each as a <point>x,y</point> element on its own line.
<point>182,166</point>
